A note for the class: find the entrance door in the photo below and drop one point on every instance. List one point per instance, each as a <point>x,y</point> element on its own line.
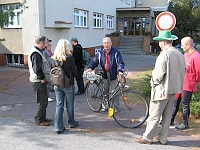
<point>134,26</point>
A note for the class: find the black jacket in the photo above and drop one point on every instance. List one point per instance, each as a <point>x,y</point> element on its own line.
<point>77,54</point>
<point>37,64</point>
<point>69,68</point>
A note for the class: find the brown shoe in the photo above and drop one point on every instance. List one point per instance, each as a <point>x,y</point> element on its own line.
<point>43,123</point>
<point>47,120</point>
<point>142,141</point>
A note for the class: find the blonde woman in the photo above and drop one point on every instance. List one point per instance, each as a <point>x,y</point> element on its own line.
<point>63,56</point>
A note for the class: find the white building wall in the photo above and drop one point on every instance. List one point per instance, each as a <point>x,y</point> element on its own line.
<point>63,10</point>
<point>30,25</point>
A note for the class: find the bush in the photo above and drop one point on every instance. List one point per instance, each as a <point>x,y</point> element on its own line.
<point>195,108</point>
<point>146,89</point>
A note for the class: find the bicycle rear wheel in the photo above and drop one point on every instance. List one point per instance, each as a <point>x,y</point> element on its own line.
<point>94,96</point>
<point>130,111</point>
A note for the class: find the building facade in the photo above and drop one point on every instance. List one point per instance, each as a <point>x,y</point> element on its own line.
<point>88,20</point>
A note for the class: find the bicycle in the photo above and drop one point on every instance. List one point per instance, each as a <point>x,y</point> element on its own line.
<point>128,108</point>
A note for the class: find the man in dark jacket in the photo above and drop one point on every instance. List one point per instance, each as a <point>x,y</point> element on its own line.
<point>111,62</point>
<point>77,54</point>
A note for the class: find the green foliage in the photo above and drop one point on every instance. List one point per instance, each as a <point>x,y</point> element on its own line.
<point>4,17</point>
<point>196,95</point>
<point>146,89</point>
<point>198,48</point>
<point>187,18</point>
<point>195,108</point>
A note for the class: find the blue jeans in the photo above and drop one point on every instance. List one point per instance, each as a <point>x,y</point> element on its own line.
<point>63,94</point>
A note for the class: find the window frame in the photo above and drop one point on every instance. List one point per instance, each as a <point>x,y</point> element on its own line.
<point>14,59</point>
<point>97,20</point>
<point>127,2</point>
<point>82,16</point>
<point>16,20</point>
<point>109,22</point>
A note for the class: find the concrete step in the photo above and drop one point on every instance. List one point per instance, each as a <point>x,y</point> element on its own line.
<point>131,50</point>
<point>131,45</point>
<point>134,53</point>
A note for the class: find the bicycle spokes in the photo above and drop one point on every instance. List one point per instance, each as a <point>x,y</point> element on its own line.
<point>132,109</point>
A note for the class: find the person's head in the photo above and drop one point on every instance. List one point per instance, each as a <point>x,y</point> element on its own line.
<point>74,41</point>
<point>62,50</point>
<point>48,47</point>
<point>107,43</point>
<point>48,42</point>
<point>165,39</point>
<point>41,42</point>
<point>187,44</point>
<point>165,43</point>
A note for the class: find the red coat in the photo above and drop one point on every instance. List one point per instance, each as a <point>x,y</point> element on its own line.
<point>192,75</point>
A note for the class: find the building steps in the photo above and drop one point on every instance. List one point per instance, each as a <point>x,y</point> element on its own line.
<point>131,45</point>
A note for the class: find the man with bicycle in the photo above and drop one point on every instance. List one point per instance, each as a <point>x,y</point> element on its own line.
<point>111,61</point>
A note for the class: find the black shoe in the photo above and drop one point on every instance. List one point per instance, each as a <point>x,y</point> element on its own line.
<point>171,123</point>
<point>73,126</point>
<point>59,132</point>
<point>79,93</point>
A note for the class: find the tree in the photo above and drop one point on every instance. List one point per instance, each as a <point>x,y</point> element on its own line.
<point>187,14</point>
<point>4,18</point>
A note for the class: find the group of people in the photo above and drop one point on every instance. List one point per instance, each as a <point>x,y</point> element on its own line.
<point>174,79</point>
<point>39,68</point>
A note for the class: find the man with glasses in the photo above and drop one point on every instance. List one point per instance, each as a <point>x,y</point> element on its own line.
<point>167,79</point>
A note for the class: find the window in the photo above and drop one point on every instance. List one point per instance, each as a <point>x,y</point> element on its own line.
<point>97,20</point>
<point>140,2</point>
<point>80,18</point>
<point>14,59</point>
<point>97,49</point>
<point>133,3</point>
<point>16,19</point>
<point>109,23</point>
<point>127,2</point>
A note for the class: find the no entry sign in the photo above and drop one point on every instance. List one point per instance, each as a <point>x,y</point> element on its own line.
<point>165,21</point>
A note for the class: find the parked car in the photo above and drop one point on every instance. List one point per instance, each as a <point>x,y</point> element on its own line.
<point>178,46</point>
<point>196,45</point>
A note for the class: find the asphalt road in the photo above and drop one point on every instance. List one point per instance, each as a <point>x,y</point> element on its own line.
<point>95,131</point>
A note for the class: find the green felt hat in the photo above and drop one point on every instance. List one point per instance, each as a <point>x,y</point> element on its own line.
<point>165,35</point>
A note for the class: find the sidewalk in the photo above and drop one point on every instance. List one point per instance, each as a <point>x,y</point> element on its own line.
<point>95,130</point>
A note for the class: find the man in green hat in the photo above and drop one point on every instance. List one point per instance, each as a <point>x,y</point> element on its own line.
<point>167,79</point>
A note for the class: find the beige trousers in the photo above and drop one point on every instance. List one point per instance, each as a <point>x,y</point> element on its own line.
<point>157,109</point>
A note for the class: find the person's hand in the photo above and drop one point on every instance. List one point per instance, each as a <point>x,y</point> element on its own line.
<point>153,85</point>
<point>88,70</point>
<point>43,81</point>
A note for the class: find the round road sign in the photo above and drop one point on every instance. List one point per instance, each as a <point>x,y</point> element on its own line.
<point>165,21</point>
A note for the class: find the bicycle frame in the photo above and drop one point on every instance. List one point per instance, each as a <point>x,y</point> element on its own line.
<point>120,102</point>
<point>111,95</point>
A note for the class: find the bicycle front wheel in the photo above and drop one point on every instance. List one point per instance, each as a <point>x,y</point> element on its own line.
<point>130,110</point>
<point>94,96</point>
